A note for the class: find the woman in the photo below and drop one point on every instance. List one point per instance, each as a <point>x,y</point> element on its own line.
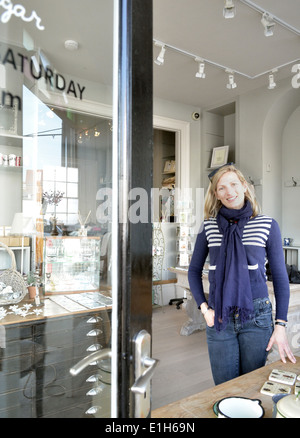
<point>239,242</point>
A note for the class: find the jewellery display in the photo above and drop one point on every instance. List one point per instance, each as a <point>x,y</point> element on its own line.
<point>72,264</point>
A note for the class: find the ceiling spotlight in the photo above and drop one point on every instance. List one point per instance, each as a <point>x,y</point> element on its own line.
<point>229,9</point>
<point>268,23</point>
<point>200,73</point>
<point>272,83</point>
<point>161,57</point>
<point>231,82</point>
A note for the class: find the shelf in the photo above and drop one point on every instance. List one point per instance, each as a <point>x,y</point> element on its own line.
<point>71,261</point>
<point>11,168</point>
<point>16,136</point>
<point>72,237</point>
<point>291,255</point>
<point>5,259</point>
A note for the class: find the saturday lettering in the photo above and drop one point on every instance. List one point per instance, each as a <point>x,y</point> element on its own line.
<point>55,80</point>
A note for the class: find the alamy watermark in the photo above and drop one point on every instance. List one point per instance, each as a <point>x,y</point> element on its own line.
<point>296,77</point>
<point>140,206</point>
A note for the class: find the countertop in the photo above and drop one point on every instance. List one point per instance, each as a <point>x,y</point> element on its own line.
<point>201,405</point>
<point>54,306</point>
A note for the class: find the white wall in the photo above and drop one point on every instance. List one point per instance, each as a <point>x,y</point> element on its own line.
<point>291,168</point>
<point>261,117</point>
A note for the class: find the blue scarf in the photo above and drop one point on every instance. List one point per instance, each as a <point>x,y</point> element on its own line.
<point>233,291</point>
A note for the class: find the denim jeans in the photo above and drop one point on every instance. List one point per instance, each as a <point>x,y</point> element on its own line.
<point>239,349</point>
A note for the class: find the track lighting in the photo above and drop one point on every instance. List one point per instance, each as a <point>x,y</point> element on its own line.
<point>231,82</point>
<point>268,23</point>
<point>229,9</point>
<point>272,83</point>
<point>231,73</point>
<point>161,57</point>
<point>200,73</point>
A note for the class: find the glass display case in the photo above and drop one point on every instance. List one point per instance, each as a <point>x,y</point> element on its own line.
<point>71,264</point>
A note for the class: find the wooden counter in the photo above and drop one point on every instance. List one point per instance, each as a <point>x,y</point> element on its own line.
<point>249,385</point>
<point>53,307</point>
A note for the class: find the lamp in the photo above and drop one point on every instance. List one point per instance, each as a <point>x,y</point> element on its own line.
<point>200,73</point>
<point>231,82</point>
<point>161,57</point>
<point>22,226</point>
<point>229,9</point>
<point>268,23</point>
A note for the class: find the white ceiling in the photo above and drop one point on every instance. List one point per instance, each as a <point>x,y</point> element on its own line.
<point>194,26</point>
<point>198,27</point>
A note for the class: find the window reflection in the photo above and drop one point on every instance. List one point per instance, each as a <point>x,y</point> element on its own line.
<point>66,161</point>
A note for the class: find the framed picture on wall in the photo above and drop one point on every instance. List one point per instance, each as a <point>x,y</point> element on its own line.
<point>219,156</point>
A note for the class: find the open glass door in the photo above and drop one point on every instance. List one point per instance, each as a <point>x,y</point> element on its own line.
<point>75,267</point>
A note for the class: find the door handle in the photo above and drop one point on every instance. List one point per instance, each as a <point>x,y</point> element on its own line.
<point>86,361</point>
<point>144,367</point>
<point>140,386</point>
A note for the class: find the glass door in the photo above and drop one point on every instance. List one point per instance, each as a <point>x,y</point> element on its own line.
<point>75,256</point>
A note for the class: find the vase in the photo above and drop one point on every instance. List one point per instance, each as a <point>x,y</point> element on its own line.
<point>32,291</point>
<point>54,231</point>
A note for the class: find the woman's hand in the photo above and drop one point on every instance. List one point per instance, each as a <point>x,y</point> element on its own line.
<point>279,337</point>
<point>208,314</point>
<point>210,317</point>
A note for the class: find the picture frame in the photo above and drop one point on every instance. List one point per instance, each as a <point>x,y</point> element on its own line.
<point>219,156</point>
<point>170,166</point>
<point>167,168</point>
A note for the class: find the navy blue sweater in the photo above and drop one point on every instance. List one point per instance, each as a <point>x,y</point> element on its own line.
<point>262,242</point>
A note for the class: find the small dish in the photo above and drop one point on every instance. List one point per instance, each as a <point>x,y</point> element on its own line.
<point>239,407</point>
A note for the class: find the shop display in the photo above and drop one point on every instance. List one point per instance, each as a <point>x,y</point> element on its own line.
<point>11,160</point>
<point>72,264</point>
<point>12,285</point>
<point>184,238</point>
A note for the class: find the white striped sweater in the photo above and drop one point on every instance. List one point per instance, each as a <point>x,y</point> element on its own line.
<point>256,231</point>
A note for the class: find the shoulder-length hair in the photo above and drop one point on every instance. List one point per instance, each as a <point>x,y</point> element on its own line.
<point>212,205</point>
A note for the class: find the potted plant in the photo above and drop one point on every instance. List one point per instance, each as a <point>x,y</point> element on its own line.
<point>32,281</point>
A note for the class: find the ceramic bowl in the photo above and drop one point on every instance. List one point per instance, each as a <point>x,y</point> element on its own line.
<point>240,407</point>
<point>288,407</point>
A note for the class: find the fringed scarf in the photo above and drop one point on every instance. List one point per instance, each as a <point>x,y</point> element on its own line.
<point>233,291</point>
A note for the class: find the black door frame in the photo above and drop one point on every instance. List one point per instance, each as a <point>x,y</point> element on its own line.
<point>135,158</point>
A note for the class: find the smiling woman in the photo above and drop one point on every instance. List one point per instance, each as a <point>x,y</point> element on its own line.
<point>231,191</point>
<point>239,312</point>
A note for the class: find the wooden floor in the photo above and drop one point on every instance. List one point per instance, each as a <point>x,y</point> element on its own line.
<point>184,367</point>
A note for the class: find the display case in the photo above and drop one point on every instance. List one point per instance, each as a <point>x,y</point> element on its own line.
<point>184,232</point>
<point>71,264</point>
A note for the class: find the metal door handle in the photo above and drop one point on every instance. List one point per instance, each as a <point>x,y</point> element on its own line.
<point>86,361</point>
<point>144,367</point>
<point>140,386</point>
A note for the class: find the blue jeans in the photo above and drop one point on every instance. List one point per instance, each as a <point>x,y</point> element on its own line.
<point>240,349</point>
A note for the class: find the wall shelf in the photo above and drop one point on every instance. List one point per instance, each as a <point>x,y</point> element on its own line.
<point>291,255</point>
